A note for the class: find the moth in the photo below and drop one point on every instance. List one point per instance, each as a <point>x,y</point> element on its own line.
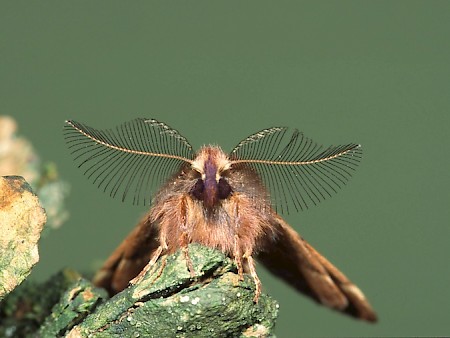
<point>230,202</point>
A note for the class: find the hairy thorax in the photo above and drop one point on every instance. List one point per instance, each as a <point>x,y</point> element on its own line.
<point>234,227</point>
<point>233,221</point>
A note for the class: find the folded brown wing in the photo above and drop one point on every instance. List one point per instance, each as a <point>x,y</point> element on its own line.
<point>129,258</point>
<point>290,257</point>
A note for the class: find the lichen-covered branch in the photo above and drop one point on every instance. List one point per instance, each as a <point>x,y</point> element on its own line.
<point>48,309</point>
<point>21,222</point>
<point>168,302</point>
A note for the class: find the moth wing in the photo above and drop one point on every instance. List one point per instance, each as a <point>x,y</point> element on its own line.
<point>129,258</point>
<point>299,264</point>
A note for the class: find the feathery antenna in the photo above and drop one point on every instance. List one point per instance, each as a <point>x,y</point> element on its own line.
<point>135,158</point>
<point>296,170</point>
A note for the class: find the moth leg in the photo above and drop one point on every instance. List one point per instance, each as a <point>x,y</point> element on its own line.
<point>155,256</point>
<point>149,265</point>
<point>252,271</point>
<point>184,238</point>
<point>238,258</point>
<point>184,248</point>
<point>237,248</point>
<point>161,269</point>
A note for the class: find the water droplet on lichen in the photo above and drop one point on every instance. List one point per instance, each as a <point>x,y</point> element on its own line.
<point>185,317</point>
<point>131,320</point>
<point>184,299</point>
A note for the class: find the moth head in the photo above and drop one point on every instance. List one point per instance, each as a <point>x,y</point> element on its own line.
<point>211,164</point>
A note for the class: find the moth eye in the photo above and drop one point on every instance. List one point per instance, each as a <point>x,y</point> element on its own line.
<point>224,189</point>
<point>197,189</point>
<point>196,174</point>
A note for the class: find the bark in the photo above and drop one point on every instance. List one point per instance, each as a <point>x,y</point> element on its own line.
<point>168,302</point>
<point>21,222</point>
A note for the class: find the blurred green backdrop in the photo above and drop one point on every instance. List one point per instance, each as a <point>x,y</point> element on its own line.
<point>377,73</point>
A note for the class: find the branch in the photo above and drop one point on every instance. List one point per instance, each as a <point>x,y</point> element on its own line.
<point>167,302</point>
<point>21,222</point>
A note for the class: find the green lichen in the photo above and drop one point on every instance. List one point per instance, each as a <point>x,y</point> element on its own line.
<point>214,302</point>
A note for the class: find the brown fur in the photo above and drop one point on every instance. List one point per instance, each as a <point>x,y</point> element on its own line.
<point>242,226</point>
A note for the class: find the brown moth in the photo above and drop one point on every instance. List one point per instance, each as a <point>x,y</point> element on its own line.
<point>222,201</point>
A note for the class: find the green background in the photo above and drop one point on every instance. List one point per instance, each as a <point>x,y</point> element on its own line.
<point>376,73</point>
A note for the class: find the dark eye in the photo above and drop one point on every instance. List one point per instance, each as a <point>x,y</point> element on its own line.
<point>224,189</point>
<point>197,189</point>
